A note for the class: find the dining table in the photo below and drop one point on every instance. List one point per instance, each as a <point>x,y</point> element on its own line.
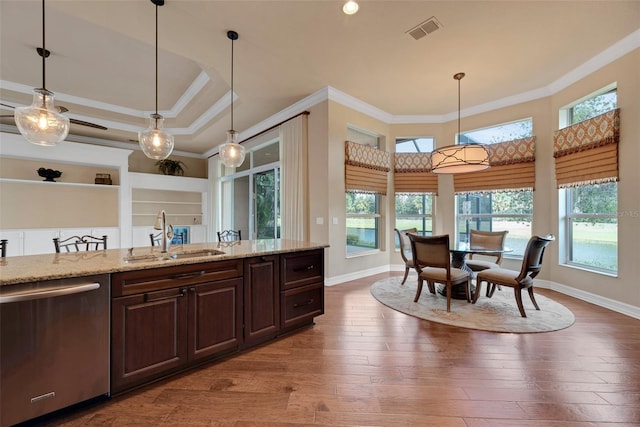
<point>459,254</point>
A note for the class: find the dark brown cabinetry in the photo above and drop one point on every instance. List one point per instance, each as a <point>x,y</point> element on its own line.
<point>261,299</point>
<point>302,288</point>
<point>165,319</point>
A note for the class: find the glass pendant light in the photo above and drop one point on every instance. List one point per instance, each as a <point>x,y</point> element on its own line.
<point>460,158</point>
<point>156,143</point>
<point>41,123</point>
<point>232,153</point>
<point>350,7</point>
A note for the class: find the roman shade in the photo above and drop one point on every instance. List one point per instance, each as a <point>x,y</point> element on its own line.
<point>512,169</point>
<point>586,153</point>
<point>366,169</point>
<point>412,173</point>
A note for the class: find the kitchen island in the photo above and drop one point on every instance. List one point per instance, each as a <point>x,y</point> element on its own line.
<point>168,312</point>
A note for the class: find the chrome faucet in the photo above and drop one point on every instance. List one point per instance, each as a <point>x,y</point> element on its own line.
<point>167,231</point>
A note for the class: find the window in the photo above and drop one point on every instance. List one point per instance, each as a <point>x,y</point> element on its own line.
<point>250,194</point>
<point>512,211</point>
<point>414,210</point>
<point>362,209</point>
<point>590,234</point>
<point>497,210</point>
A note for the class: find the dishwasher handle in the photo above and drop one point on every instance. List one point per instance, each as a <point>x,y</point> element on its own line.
<point>42,294</point>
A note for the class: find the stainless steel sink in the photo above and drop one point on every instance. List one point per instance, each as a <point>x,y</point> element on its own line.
<point>146,258</point>
<point>196,253</point>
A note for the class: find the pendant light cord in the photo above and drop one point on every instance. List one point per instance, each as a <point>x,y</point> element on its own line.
<point>232,84</point>
<point>156,59</point>
<point>459,110</point>
<point>44,51</point>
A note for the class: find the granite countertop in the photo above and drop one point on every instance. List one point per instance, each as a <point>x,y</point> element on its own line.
<point>30,268</point>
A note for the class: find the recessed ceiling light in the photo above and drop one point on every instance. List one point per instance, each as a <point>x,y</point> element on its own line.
<point>350,7</point>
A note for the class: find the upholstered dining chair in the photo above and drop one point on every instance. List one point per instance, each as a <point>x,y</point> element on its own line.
<point>3,248</point>
<point>80,243</point>
<point>229,235</point>
<point>432,261</point>
<point>405,250</point>
<point>489,240</point>
<point>531,266</point>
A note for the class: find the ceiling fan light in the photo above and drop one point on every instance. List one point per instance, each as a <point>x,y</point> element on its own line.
<point>40,123</point>
<point>155,142</point>
<point>232,153</point>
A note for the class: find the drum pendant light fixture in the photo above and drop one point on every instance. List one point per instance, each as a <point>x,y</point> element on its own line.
<point>156,143</point>
<point>232,153</point>
<point>40,123</point>
<point>459,158</point>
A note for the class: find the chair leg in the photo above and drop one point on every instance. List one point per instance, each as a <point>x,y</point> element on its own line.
<point>406,273</point>
<point>533,299</point>
<point>432,287</point>
<point>467,290</point>
<point>448,287</point>
<point>477,292</point>
<point>518,294</point>
<point>419,291</point>
<point>491,288</point>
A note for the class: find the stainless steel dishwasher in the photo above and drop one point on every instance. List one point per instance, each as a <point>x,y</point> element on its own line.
<point>54,345</point>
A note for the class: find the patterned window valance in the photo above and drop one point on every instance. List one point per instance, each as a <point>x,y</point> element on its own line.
<point>366,169</point>
<point>512,169</point>
<point>586,153</point>
<point>412,173</point>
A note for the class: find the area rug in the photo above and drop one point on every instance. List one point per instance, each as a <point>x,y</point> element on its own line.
<point>496,314</point>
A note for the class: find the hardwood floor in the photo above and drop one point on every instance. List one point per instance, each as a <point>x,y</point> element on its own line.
<point>365,364</point>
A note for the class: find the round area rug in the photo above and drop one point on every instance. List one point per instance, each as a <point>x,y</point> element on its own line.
<point>496,314</point>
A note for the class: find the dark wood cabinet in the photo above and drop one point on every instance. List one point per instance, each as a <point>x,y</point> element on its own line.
<point>191,318</point>
<point>167,319</point>
<point>301,288</point>
<point>261,299</point>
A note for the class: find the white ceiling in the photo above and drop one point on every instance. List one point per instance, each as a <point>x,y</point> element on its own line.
<point>102,62</point>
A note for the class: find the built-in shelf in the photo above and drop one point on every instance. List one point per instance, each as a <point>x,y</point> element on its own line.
<point>178,214</point>
<point>58,183</point>
<point>153,202</point>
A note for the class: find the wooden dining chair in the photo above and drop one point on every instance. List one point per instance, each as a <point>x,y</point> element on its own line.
<point>432,261</point>
<point>405,250</point>
<point>489,240</point>
<point>531,265</point>
<point>229,235</point>
<point>3,248</point>
<point>80,243</point>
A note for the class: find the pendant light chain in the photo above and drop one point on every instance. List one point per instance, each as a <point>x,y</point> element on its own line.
<point>459,109</point>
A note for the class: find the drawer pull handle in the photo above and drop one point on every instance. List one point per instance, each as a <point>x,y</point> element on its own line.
<point>303,304</point>
<point>181,294</point>
<point>187,275</point>
<point>307,268</point>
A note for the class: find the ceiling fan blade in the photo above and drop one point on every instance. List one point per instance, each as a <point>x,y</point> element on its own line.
<point>83,123</point>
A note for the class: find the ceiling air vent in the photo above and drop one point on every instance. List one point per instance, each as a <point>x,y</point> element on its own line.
<point>424,28</point>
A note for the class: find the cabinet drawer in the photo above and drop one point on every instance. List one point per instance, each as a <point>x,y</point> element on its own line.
<point>302,304</point>
<point>303,268</point>
<point>133,282</point>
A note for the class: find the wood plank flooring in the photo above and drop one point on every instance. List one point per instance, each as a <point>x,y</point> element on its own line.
<point>365,364</point>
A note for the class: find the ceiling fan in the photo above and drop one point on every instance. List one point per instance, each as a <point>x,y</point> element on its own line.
<point>61,109</point>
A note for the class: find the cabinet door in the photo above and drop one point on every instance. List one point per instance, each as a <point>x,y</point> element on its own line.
<point>149,333</point>
<point>215,318</point>
<point>261,298</point>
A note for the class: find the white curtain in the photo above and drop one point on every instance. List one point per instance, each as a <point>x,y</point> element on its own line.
<point>293,182</point>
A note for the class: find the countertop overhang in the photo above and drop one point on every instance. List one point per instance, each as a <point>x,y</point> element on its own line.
<point>31,268</point>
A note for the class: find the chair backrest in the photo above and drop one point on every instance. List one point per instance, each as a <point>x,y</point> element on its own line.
<point>229,235</point>
<point>532,261</point>
<point>405,243</point>
<point>3,248</point>
<point>80,243</point>
<point>489,240</point>
<point>155,238</point>
<point>431,251</point>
